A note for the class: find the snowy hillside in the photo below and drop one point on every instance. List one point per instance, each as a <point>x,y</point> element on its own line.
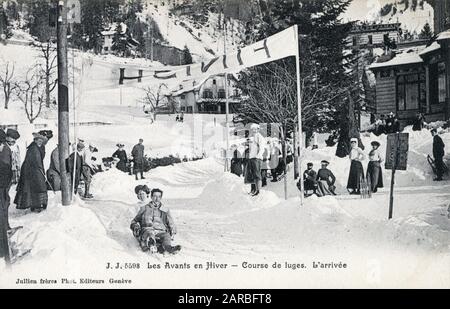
<point>392,11</point>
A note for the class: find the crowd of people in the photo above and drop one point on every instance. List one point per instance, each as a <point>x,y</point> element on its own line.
<point>385,124</point>
<point>259,156</point>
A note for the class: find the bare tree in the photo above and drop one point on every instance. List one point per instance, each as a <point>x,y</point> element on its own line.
<point>7,82</point>
<point>31,91</point>
<point>48,68</point>
<point>154,97</point>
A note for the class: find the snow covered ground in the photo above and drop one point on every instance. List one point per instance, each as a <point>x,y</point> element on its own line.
<point>218,222</point>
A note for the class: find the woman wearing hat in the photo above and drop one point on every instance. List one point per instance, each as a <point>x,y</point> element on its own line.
<point>236,161</point>
<point>356,169</point>
<point>325,180</point>
<point>374,168</point>
<point>122,156</point>
<point>32,186</point>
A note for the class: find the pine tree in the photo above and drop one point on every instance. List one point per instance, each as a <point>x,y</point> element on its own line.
<point>426,32</point>
<point>120,41</point>
<point>187,57</point>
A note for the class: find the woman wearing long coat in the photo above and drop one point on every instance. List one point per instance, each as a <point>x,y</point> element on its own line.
<point>374,171</point>
<point>356,169</point>
<point>236,162</point>
<point>121,154</point>
<point>32,187</point>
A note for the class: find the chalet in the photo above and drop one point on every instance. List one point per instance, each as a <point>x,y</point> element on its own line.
<point>207,97</point>
<point>415,80</point>
<point>364,35</point>
<point>108,35</point>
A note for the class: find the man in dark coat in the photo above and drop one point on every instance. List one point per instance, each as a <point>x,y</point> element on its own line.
<point>310,183</point>
<point>438,154</point>
<point>138,159</point>
<point>5,177</point>
<point>32,186</point>
<point>5,183</point>
<point>78,165</point>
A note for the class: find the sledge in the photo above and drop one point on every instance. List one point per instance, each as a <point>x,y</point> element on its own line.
<point>365,187</point>
<point>433,165</point>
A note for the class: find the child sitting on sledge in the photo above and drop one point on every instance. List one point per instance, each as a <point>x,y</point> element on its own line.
<point>154,227</point>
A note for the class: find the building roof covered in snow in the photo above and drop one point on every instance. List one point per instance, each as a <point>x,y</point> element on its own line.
<point>410,56</point>
<point>432,48</point>
<point>113,29</point>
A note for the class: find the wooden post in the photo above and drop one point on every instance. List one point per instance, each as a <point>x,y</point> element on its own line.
<point>394,166</point>
<point>63,102</point>
<point>299,116</point>
<point>283,151</point>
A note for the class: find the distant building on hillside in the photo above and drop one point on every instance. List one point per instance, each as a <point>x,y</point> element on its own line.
<point>366,35</point>
<point>208,97</point>
<point>108,36</point>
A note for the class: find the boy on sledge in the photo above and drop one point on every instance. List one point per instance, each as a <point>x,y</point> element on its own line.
<point>154,227</point>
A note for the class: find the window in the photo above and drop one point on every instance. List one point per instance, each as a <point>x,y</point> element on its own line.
<point>221,94</point>
<point>106,48</point>
<point>411,92</point>
<point>442,91</point>
<point>182,96</point>
<point>207,94</point>
<point>370,40</point>
<point>214,82</point>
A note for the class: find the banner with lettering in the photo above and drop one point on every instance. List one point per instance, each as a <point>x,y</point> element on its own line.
<point>107,75</point>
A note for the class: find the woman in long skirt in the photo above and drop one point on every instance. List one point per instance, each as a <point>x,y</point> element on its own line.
<point>356,169</point>
<point>121,154</point>
<point>325,180</point>
<point>374,174</point>
<point>32,187</point>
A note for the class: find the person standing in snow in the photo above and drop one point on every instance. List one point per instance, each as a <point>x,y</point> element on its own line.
<point>438,154</point>
<point>122,156</point>
<point>88,169</point>
<point>236,161</point>
<point>265,164</point>
<point>79,153</point>
<point>53,172</point>
<point>310,180</point>
<point>419,122</point>
<point>6,175</point>
<point>374,171</point>
<point>138,159</point>
<point>256,147</point>
<point>11,139</point>
<point>32,186</point>
<point>274,159</point>
<point>356,169</point>
<point>153,226</point>
<point>325,180</point>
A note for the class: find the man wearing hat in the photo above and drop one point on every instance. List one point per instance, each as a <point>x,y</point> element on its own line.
<point>78,165</point>
<point>5,183</point>
<point>325,180</point>
<point>32,186</point>
<point>374,171</point>
<point>154,225</point>
<point>138,159</point>
<point>5,179</point>
<point>255,154</point>
<point>11,138</point>
<point>310,183</point>
<point>438,154</point>
<point>356,169</point>
<point>121,154</point>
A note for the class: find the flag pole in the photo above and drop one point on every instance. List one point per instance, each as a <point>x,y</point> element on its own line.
<point>227,106</point>
<point>299,115</point>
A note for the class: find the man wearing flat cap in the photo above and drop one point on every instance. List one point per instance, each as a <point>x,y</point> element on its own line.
<point>154,227</point>
<point>310,183</point>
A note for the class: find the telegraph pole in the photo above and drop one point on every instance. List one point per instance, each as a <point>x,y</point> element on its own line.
<point>63,101</point>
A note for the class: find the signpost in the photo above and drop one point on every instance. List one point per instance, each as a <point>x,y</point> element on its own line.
<point>396,159</point>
